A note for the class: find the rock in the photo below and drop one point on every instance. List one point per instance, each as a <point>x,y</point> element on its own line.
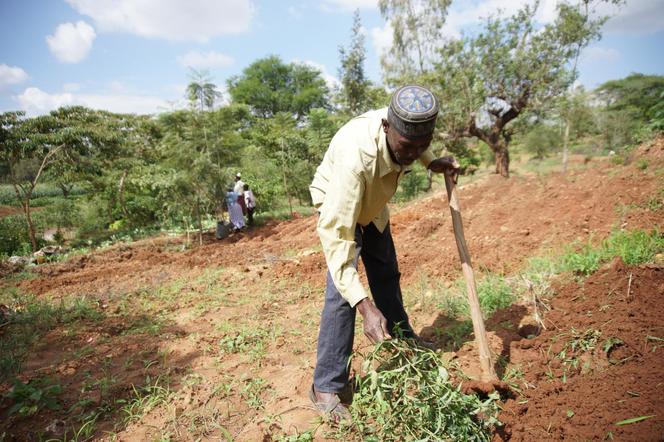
<point>56,428</point>
<point>19,260</point>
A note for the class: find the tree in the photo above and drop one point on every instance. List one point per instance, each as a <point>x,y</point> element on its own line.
<point>638,92</point>
<point>509,68</point>
<point>284,143</point>
<point>541,140</point>
<point>198,153</point>
<point>268,86</point>
<point>201,91</point>
<point>353,81</point>
<point>584,8</point>
<point>65,133</point>
<point>417,34</point>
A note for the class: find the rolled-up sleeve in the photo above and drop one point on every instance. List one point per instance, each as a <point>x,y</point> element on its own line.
<point>336,229</point>
<point>426,158</point>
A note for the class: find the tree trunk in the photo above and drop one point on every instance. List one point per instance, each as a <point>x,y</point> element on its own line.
<point>24,198</point>
<point>429,180</point>
<point>502,159</point>
<point>121,188</point>
<point>200,223</point>
<point>565,144</point>
<point>31,226</point>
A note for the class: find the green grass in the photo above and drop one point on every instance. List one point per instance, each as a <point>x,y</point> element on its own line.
<point>634,247</point>
<point>29,318</point>
<point>43,190</point>
<point>145,398</point>
<point>494,292</point>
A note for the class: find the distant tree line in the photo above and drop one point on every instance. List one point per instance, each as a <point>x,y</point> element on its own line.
<point>510,83</point>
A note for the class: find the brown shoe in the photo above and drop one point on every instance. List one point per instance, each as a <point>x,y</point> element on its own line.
<point>332,410</point>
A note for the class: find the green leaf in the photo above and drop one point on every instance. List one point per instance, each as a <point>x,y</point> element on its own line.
<point>634,420</point>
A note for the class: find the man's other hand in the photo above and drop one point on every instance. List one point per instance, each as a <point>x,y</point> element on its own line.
<point>445,164</point>
<point>375,324</point>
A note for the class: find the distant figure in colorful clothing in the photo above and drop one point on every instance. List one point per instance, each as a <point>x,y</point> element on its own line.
<point>250,203</point>
<point>239,190</point>
<point>234,209</point>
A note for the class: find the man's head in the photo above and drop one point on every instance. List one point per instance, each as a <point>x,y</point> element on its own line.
<point>411,120</point>
<point>238,176</point>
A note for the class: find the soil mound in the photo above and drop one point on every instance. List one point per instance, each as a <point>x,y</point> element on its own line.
<point>599,362</point>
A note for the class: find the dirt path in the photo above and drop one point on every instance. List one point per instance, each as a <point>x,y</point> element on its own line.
<point>224,334</point>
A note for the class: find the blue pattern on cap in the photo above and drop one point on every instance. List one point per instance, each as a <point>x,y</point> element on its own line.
<point>415,100</point>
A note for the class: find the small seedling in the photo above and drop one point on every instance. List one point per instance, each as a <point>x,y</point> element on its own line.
<point>33,396</point>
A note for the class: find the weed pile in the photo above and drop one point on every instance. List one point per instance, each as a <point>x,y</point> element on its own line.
<point>405,393</point>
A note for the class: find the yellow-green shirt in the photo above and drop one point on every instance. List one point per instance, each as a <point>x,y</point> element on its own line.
<point>352,186</point>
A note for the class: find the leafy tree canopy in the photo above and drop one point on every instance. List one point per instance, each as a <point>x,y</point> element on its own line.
<point>636,91</point>
<point>270,86</point>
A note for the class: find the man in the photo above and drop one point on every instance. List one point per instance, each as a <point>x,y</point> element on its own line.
<point>359,174</point>
<point>250,203</point>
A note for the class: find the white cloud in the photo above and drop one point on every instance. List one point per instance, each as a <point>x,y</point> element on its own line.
<point>10,75</point>
<point>35,102</point>
<point>381,38</point>
<point>599,54</point>
<point>205,60</point>
<point>193,20</point>
<point>469,13</point>
<point>71,42</point>
<point>635,17</point>
<point>349,5</point>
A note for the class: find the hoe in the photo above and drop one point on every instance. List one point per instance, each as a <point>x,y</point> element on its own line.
<point>488,374</point>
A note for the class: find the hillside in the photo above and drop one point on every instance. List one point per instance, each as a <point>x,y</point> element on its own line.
<point>219,340</point>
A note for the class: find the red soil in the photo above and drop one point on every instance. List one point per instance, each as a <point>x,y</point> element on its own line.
<point>271,278</point>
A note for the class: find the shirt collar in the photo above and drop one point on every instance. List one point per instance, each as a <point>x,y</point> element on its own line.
<point>385,163</point>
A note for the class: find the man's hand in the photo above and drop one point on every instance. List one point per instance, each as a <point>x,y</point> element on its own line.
<point>445,164</point>
<point>375,324</point>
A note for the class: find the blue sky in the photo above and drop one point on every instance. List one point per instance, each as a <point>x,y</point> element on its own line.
<point>136,55</point>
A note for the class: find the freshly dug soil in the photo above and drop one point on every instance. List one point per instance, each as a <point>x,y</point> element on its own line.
<point>168,310</point>
<point>620,377</point>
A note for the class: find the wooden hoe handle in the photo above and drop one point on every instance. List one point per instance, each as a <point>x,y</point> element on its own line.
<point>488,372</point>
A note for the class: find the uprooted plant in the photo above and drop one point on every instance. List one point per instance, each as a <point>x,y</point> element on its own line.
<point>404,393</point>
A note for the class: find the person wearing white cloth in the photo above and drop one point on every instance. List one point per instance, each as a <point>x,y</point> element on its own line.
<point>234,210</point>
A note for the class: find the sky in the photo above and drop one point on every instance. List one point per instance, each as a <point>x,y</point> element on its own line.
<point>137,56</point>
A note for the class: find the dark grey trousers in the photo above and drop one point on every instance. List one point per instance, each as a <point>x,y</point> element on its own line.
<point>337,323</point>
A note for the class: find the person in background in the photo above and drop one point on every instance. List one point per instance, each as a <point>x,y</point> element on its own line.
<point>250,203</point>
<point>234,210</point>
<point>239,190</point>
<point>359,174</point>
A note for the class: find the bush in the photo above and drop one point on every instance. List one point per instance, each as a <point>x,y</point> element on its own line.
<point>542,140</point>
<point>14,238</point>
<point>412,184</point>
<point>14,235</point>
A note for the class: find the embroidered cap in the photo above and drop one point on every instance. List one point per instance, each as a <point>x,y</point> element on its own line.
<point>413,111</point>
<point>238,175</point>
